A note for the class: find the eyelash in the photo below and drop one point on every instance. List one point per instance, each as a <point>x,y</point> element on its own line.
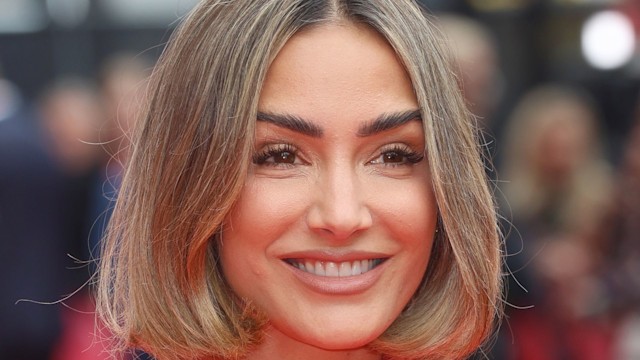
<point>272,151</point>
<point>411,156</point>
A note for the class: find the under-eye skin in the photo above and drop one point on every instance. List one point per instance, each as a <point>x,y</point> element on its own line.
<point>279,155</point>
<point>397,155</point>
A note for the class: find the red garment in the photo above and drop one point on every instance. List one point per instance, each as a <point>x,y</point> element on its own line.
<point>537,336</point>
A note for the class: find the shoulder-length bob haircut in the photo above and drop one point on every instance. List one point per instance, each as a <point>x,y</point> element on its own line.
<point>160,284</point>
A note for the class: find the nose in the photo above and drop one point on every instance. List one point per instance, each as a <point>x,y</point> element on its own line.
<point>339,210</point>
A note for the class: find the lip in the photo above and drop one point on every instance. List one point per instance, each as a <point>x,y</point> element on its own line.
<point>349,285</point>
<point>334,255</point>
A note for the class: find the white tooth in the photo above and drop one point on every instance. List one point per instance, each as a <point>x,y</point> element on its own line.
<point>364,265</point>
<point>331,269</point>
<point>345,269</point>
<point>356,268</point>
<point>300,266</point>
<point>309,266</point>
<point>319,268</point>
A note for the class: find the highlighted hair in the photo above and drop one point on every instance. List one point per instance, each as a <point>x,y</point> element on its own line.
<point>160,285</point>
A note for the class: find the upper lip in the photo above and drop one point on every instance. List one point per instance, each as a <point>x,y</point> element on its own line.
<point>334,255</point>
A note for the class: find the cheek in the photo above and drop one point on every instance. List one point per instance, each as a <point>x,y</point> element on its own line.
<point>409,215</point>
<point>409,210</point>
<point>265,210</point>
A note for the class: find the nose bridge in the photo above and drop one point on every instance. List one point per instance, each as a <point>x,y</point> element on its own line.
<point>340,207</point>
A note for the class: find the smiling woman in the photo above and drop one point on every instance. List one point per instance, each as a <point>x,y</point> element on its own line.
<point>337,214</point>
<point>354,221</point>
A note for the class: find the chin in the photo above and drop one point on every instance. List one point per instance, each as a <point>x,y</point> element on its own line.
<point>337,339</point>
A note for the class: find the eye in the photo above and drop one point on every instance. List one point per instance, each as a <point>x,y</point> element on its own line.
<point>284,157</point>
<point>277,155</point>
<point>393,157</point>
<point>396,155</point>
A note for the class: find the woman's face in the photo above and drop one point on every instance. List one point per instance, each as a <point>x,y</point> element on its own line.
<point>564,142</point>
<point>332,233</point>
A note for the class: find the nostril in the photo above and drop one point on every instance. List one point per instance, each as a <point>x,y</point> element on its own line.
<point>339,208</point>
<point>339,223</point>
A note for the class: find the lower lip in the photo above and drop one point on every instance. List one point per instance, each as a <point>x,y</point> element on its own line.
<point>350,285</point>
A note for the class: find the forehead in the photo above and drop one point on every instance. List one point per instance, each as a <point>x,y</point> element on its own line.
<point>337,70</point>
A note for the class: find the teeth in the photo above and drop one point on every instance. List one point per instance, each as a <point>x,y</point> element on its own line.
<point>356,268</point>
<point>345,269</point>
<point>308,266</point>
<point>318,269</point>
<point>332,269</point>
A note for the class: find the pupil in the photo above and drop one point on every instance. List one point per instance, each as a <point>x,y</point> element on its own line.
<point>392,157</point>
<point>285,157</point>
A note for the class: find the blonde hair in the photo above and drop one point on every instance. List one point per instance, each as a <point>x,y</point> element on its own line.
<point>160,285</point>
<point>586,189</point>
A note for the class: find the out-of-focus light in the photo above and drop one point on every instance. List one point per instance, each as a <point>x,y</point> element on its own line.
<point>68,13</point>
<point>608,40</point>
<point>145,13</point>
<point>21,16</point>
<point>499,5</point>
<point>9,99</point>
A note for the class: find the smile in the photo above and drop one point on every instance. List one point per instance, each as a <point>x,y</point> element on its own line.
<point>335,269</point>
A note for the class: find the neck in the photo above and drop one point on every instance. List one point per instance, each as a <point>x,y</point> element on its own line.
<point>277,345</point>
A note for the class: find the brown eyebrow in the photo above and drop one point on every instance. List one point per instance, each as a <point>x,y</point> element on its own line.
<point>291,122</point>
<point>388,121</point>
<point>382,123</point>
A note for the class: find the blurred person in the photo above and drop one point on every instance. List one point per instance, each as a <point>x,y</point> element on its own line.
<point>558,178</point>
<point>71,116</point>
<point>475,52</point>
<point>41,204</point>
<point>618,244</point>
<point>122,81</point>
<point>557,184</point>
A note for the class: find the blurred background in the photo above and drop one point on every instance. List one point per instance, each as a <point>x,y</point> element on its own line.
<point>554,85</point>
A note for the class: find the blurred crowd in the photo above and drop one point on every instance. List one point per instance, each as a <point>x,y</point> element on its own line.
<point>61,160</point>
<point>570,207</point>
<point>570,212</point>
